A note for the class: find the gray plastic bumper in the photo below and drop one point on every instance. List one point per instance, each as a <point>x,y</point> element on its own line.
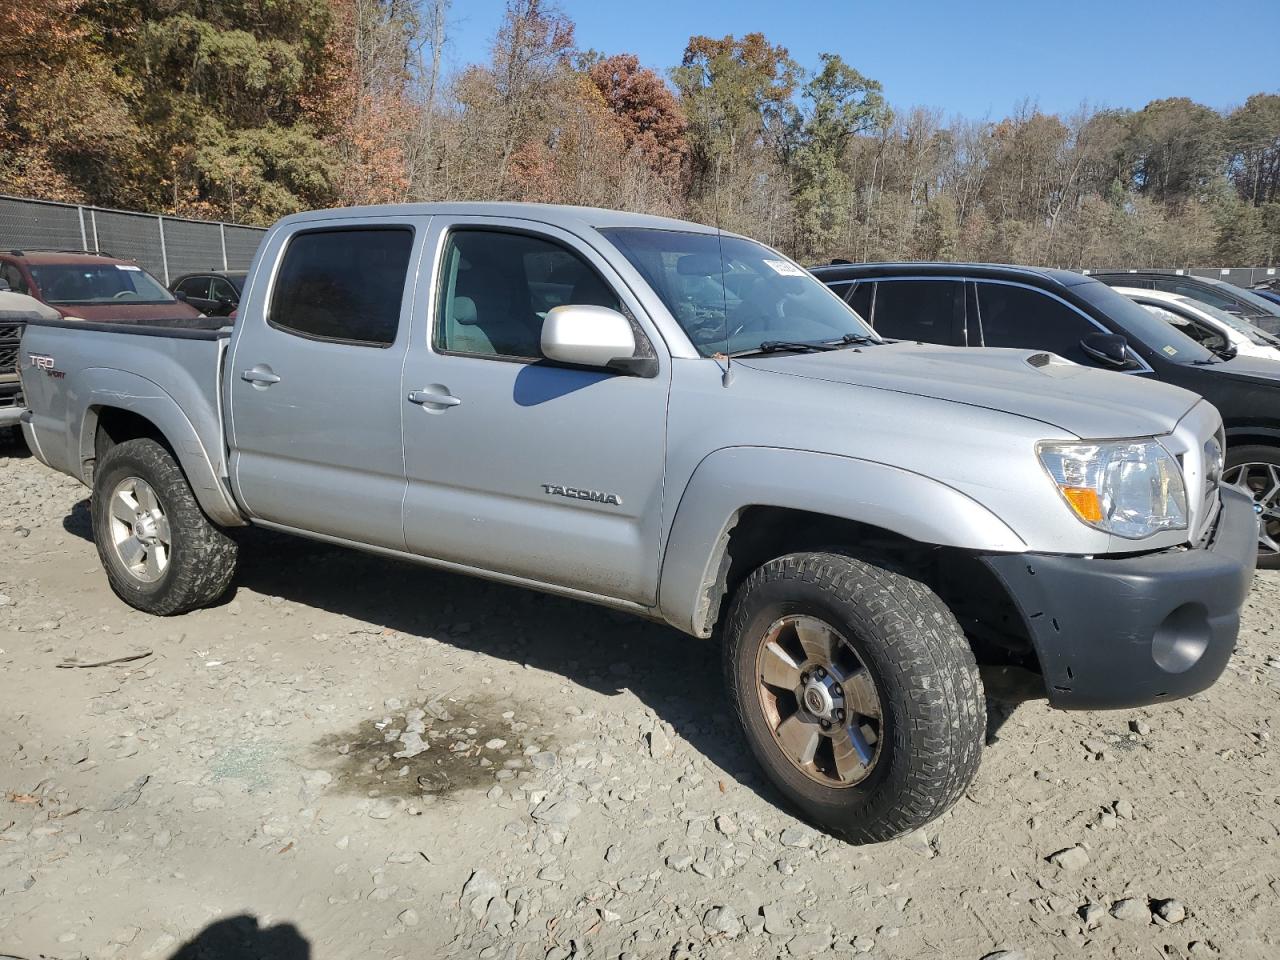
<point>1132,631</point>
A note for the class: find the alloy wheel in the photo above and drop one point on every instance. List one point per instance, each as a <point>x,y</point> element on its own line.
<point>140,534</point>
<point>819,701</point>
<point>1261,481</point>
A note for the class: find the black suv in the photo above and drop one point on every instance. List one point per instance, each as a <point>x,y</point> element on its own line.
<point>1075,316</point>
<point>1217,293</point>
<point>214,293</point>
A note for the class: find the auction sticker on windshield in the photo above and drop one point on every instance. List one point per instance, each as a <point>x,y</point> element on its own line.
<point>128,266</point>
<point>784,268</point>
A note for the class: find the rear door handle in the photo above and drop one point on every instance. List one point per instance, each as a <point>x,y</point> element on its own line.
<point>260,376</point>
<point>423,398</point>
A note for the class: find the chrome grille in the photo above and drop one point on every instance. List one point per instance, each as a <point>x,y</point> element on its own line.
<point>1197,442</point>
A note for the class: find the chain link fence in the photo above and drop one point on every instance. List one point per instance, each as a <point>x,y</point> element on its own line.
<point>166,246</point>
<point>1241,276</point>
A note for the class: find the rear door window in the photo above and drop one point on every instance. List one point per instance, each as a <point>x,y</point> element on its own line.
<point>1021,317</point>
<point>343,285</point>
<point>928,310</point>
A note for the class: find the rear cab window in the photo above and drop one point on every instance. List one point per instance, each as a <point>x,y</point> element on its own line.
<point>343,285</point>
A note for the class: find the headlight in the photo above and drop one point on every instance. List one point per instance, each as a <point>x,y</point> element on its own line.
<point>1132,488</point>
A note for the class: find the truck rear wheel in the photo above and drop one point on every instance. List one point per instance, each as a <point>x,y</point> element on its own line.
<point>858,693</point>
<point>161,553</point>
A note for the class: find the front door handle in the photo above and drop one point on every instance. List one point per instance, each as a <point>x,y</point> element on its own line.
<point>261,376</point>
<point>425,398</point>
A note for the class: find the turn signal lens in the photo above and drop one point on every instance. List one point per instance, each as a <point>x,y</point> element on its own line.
<point>1085,502</point>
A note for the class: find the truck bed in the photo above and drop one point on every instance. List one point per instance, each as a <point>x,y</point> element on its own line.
<point>70,368</point>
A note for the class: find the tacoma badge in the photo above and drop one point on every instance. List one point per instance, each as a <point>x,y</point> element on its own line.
<point>573,493</point>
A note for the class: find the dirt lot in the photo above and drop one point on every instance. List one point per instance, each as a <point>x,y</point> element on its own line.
<point>256,786</point>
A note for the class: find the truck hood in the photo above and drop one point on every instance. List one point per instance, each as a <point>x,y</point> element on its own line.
<point>1092,404</point>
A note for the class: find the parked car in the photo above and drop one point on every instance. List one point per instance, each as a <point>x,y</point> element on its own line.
<point>215,293</point>
<point>1085,321</point>
<point>1217,293</point>
<point>16,310</point>
<point>652,415</point>
<point>1268,293</point>
<point>91,286</point>
<point>1224,333</point>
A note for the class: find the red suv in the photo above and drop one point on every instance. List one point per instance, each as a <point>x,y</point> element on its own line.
<point>90,286</point>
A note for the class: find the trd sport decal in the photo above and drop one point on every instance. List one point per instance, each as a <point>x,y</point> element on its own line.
<point>41,362</point>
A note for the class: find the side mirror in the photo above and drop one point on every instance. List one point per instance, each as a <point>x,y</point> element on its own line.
<point>1109,349</point>
<point>590,336</point>
<point>179,295</point>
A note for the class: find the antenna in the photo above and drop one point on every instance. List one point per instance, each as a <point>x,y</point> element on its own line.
<point>726,375</point>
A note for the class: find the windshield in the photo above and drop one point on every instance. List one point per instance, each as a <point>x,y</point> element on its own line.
<point>1139,325</point>
<point>730,295</point>
<point>1260,304</point>
<point>1240,325</point>
<point>68,283</point>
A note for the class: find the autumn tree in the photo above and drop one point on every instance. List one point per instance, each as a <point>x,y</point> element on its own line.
<point>736,93</point>
<point>647,112</point>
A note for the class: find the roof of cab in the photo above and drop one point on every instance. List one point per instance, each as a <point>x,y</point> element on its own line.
<point>548,213</point>
<point>997,271</point>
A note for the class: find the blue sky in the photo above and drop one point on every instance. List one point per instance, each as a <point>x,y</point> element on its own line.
<point>978,59</point>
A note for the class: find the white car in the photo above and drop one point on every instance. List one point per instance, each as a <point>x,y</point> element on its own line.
<point>1223,333</point>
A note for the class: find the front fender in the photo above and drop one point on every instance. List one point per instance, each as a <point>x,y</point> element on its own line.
<point>730,480</point>
<point>109,387</point>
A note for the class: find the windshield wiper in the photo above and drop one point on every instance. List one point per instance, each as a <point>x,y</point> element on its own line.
<point>849,339</point>
<point>792,346</point>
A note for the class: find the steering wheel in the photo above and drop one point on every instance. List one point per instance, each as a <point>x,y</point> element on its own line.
<point>124,293</point>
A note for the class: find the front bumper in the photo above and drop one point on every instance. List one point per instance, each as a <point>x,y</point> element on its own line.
<point>1131,631</point>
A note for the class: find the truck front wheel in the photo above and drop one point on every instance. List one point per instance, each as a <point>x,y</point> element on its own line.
<point>858,693</point>
<point>161,553</point>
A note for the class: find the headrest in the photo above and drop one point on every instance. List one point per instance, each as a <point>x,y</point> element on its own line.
<point>464,311</point>
<point>699,265</point>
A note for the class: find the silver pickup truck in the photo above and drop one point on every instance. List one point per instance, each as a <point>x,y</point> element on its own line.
<point>681,423</point>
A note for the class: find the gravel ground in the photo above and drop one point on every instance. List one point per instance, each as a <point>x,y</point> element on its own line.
<point>352,757</point>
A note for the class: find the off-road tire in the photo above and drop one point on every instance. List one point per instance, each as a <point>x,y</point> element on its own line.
<point>1256,453</point>
<point>934,714</point>
<point>202,558</point>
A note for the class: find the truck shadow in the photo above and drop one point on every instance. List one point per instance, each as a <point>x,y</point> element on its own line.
<point>678,677</point>
<point>241,938</point>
